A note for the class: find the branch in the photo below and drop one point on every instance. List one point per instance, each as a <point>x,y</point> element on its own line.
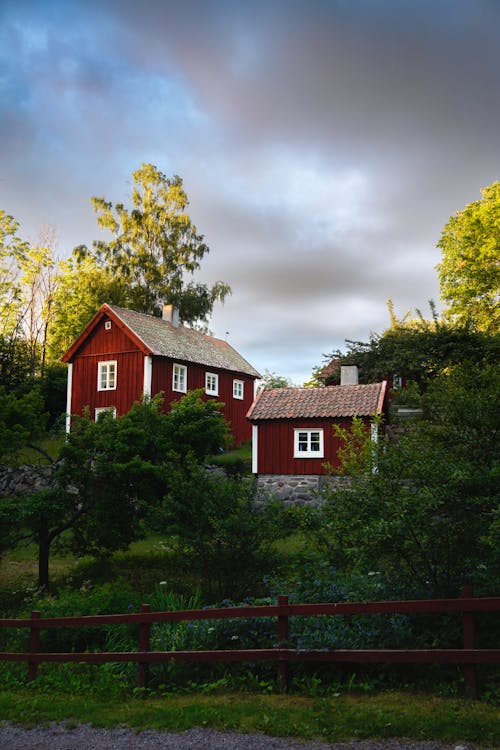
<point>41,451</point>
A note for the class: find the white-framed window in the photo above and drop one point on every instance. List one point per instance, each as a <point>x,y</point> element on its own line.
<point>397,381</point>
<point>106,376</point>
<point>179,378</point>
<point>308,444</point>
<point>211,384</point>
<point>238,389</point>
<point>104,410</point>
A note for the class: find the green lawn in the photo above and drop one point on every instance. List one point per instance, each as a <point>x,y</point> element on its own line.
<point>343,718</point>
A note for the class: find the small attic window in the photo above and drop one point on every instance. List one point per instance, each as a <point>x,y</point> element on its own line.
<point>107,325</point>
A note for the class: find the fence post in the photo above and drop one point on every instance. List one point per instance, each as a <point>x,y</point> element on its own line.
<point>144,645</point>
<point>283,635</point>
<point>468,625</point>
<point>34,645</point>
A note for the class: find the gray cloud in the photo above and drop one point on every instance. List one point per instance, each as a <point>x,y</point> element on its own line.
<point>323,145</point>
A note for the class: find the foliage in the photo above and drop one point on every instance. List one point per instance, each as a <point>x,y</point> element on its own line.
<point>111,472</point>
<point>22,420</point>
<point>428,517</point>
<point>197,427</point>
<point>83,286</point>
<point>14,361</point>
<point>154,245</point>
<point>469,271</point>
<point>28,278</point>
<point>273,380</point>
<point>12,251</point>
<point>215,519</point>
<point>415,351</point>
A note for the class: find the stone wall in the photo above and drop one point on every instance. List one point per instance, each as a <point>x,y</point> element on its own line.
<point>296,489</point>
<point>24,479</point>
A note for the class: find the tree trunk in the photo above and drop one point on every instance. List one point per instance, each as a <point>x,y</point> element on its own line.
<point>43,563</point>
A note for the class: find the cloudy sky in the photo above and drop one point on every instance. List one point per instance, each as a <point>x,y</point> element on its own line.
<point>323,144</point>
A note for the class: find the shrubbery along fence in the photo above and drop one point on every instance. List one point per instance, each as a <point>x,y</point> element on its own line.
<point>284,653</point>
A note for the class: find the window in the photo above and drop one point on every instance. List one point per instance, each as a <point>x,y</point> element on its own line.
<point>397,382</point>
<point>238,389</point>
<point>106,376</point>
<point>211,384</point>
<point>179,378</point>
<point>308,444</point>
<point>105,410</point>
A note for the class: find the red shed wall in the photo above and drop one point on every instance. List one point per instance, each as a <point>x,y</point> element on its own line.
<point>235,410</point>
<point>100,346</point>
<point>276,446</point>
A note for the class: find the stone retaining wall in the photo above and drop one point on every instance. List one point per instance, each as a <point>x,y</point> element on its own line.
<point>296,489</point>
<point>24,479</point>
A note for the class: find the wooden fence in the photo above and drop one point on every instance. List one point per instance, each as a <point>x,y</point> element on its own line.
<point>468,656</point>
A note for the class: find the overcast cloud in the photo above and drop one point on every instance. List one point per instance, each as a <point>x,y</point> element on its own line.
<point>323,144</point>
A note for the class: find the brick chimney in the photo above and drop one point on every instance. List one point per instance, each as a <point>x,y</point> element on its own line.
<point>170,314</point>
<point>349,375</point>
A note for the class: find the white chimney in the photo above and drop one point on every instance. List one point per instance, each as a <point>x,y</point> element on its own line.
<point>349,375</point>
<point>170,314</point>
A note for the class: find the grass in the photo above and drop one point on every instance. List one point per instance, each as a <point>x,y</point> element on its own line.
<point>51,445</point>
<point>237,461</point>
<point>336,719</point>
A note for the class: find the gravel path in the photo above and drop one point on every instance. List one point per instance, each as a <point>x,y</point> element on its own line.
<point>84,737</point>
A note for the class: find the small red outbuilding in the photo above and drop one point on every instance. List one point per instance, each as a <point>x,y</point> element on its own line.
<point>293,427</point>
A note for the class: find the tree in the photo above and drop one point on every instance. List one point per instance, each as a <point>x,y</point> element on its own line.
<point>12,251</point>
<point>22,421</point>
<point>469,272</point>
<point>220,533</point>
<point>427,519</point>
<point>414,348</point>
<point>28,279</point>
<point>111,473</point>
<point>155,245</point>
<point>272,380</point>
<point>83,286</point>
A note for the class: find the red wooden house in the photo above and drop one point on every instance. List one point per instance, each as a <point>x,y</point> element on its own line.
<point>293,427</point>
<point>122,355</point>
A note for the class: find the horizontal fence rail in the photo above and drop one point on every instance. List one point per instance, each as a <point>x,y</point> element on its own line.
<point>283,654</point>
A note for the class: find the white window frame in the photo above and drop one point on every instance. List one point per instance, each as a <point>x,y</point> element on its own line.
<point>211,384</point>
<point>179,378</point>
<point>299,440</point>
<point>102,409</point>
<point>397,382</point>
<point>107,373</point>
<point>239,389</point>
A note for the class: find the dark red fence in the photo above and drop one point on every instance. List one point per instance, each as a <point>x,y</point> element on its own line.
<point>468,656</point>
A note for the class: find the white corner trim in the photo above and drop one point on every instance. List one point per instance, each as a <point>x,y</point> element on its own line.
<point>148,376</point>
<point>255,449</point>
<point>69,391</point>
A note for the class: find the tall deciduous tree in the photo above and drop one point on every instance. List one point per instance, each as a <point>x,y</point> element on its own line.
<point>83,286</point>
<point>28,279</point>
<point>12,251</point>
<point>155,246</point>
<point>469,271</point>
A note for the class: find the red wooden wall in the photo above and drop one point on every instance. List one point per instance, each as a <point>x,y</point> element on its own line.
<point>276,446</point>
<point>114,344</point>
<point>234,409</point>
<point>104,345</point>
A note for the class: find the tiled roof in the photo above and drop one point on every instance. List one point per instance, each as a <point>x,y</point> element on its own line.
<point>178,342</point>
<point>308,403</point>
